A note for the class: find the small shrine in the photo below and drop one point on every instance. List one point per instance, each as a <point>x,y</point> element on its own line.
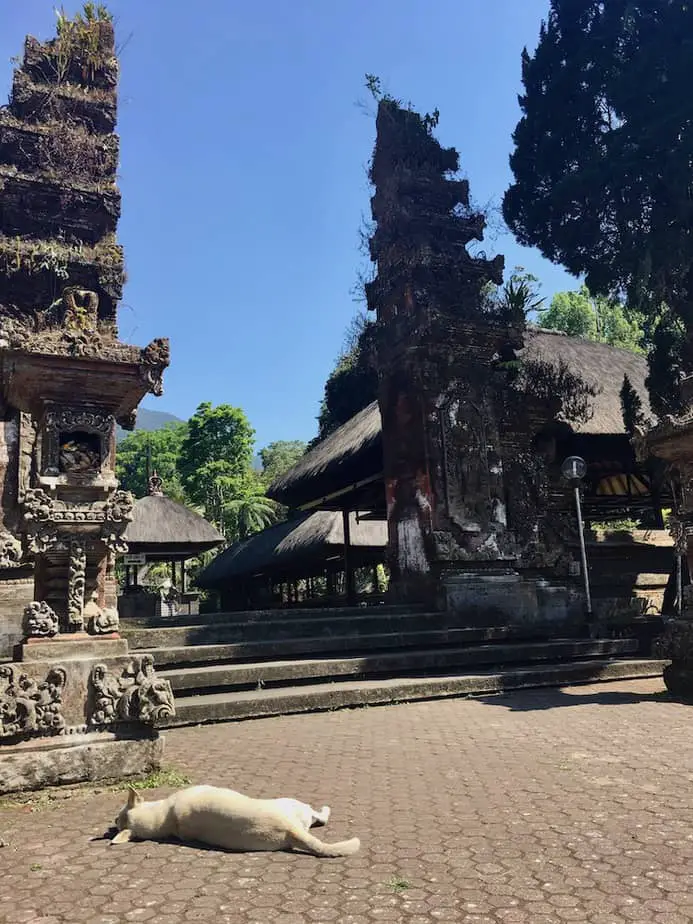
<point>163,531</point>
<point>65,381</point>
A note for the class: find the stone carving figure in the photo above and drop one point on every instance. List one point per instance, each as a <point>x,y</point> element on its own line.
<point>154,695</point>
<point>29,707</point>
<point>98,620</point>
<point>137,695</point>
<point>81,309</point>
<point>78,457</point>
<point>10,551</point>
<point>49,705</point>
<point>76,581</point>
<point>40,621</point>
<point>106,694</point>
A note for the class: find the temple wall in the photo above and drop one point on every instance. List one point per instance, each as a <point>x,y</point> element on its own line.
<point>9,468</point>
<point>16,590</point>
<point>636,566</point>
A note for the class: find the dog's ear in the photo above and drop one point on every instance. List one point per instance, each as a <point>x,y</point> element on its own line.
<point>122,837</point>
<point>134,798</point>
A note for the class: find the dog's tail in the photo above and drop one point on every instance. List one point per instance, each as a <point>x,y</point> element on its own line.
<point>304,840</point>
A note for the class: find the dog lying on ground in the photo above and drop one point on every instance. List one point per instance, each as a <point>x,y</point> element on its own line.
<point>227,819</point>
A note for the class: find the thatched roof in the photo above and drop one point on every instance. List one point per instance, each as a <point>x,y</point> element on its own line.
<point>163,526</point>
<point>597,364</point>
<point>350,454</point>
<point>354,451</point>
<point>305,542</point>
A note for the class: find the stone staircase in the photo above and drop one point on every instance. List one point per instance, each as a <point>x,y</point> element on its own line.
<point>246,665</point>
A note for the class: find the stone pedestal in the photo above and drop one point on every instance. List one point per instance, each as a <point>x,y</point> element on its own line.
<point>79,708</point>
<point>505,597</point>
<point>78,758</point>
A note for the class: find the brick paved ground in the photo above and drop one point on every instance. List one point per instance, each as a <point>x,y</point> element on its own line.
<point>539,807</point>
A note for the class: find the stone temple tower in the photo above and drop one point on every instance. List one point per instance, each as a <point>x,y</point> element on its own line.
<point>65,377</point>
<point>462,481</point>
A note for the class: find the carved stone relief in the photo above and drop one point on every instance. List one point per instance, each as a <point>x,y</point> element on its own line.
<point>30,707</point>
<point>40,621</point>
<point>135,695</point>
<point>81,309</point>
<point>98,620</point>
<point>10,551</point>
<point>48,519</point>
<point>77,574</point>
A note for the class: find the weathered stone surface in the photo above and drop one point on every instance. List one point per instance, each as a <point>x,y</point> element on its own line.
<point>464,484</point>
<point>507,598</point>
<point>15,594</point>
<point>74,648</point>
<point>65,377</point>
<point>96,691</point>
<point>31,706</point>
<point>76,759</point>
<point>40,621</point>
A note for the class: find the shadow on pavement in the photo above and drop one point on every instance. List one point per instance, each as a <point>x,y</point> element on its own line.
<point>530,701</point>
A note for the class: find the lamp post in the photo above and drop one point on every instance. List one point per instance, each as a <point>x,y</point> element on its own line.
<point>574,470</point>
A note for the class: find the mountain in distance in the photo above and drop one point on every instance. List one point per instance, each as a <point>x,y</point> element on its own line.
<point>149,421</point>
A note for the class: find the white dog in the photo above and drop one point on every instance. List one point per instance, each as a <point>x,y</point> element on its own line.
<point>227,819</point>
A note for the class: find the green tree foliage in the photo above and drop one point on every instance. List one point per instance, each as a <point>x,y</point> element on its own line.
<point>279,457</point>
<point>631,407</point>
<point>667,362</point>
<point>216,452</point>
<point>602,159</point>
<point>162,449</point>
<point>353,383</point>
<point>207,463</point>
<point>606,320</point>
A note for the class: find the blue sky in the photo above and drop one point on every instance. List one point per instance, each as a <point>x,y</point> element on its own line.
<point>243,171</point>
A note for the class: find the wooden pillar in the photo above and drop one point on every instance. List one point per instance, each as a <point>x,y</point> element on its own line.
<point>349,574</point>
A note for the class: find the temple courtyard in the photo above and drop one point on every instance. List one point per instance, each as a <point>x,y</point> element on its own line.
<point>572,804</point>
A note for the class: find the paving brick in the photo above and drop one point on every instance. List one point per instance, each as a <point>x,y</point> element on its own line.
<point>540,806</point>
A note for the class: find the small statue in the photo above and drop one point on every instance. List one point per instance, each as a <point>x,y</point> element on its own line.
<point>155,485</point>
<point>78,457</point>
<point>40,621</point>
<point>169,598</point>
<point>100,621</point>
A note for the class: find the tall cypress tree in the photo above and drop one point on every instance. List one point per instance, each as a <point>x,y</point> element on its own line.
<point>603,160</point>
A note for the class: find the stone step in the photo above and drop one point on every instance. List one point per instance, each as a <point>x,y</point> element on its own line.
<point>271,615</point>
<point>236,632</point>
<point>229,676</point>
<point>282,648</point>
<point>219,707</point>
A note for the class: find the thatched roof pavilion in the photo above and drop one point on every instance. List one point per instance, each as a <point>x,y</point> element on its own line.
<point>162,530</point>
<point>345,469</point>
<point>308,546</point>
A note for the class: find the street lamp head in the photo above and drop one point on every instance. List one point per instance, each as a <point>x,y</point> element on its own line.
<point>574,469</point>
